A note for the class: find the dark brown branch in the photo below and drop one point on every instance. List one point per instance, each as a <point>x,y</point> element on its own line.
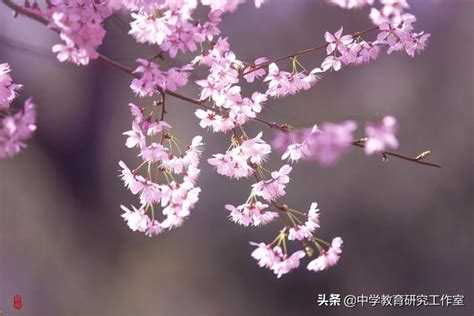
<point>163,106</point>
<point>117,65</point>
<point>24,11</point>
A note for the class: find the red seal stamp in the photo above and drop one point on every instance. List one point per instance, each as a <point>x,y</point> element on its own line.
<point>17,303</point>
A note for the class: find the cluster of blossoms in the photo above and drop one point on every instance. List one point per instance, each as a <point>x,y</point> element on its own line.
<point>152,79</point>
<point>240,159</point>
<point>328,143</point>
<point>163,160</point>
<point>167,23</point>
<point>231,109</point>
<point>273,257</point>
<point>167,175</point>
<point>396,32</point>
<point>16,126</point>
<point>80,25</point>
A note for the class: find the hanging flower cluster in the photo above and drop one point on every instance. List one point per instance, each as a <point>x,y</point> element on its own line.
<point>155,180</point>
<point>166,178</point>
<point>16,126</point>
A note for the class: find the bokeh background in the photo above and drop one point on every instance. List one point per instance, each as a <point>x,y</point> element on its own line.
<point>407,228</point>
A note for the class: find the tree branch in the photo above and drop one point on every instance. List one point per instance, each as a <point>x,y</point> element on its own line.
<point>393,154</point>
<point>24,11</point>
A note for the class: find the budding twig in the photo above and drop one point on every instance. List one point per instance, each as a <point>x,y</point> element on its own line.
<point>393,154</point>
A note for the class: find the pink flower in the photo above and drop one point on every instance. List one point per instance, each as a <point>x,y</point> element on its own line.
<point>183,37</point>
<point>305,231</point>
<point>136,112</point>
<point>337,41</point>
<point>299,148</point>
<point>381,135</point>
<point>133,182</point>
<point>177,77</point>
<point>148,29</point>
<point>135,219</point>
<point>8,89</point>
<point>275,260</point>
<point>288,263</point>
<point>282,83</point>
<point>275,187</point>
<point>180,201</point>
<point>16,128</point>
<point>135,136</point>
<point>367,53</point>
<point>250,77</point>
<point>153,229</point>
<point>210,88</point>
<point>331,62</point>
<point>313,217</point>
<point>299,232</point>
<point>418,44</point>
<point>329,258</point>
<point>240,161</point>
<point>151,79</point>
<point>155,127</point>
<point>278,81</point>
<point>151,193</point>
<point>265,255</point>
<point>331,142</point>
<point>251,214</point>
<point>325,145</point>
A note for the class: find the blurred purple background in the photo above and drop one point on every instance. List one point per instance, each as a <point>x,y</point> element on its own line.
<point>407,228</point>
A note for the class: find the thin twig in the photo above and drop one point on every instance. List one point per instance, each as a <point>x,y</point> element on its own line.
<point>393,154</point>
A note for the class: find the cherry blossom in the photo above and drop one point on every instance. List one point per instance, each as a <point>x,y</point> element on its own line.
<point>242,159</point>
<point>253,71</point>
<point>275,187</point>
<point>16,126</point>
<point>251,214</point>
<point>282,83</point>
<point>337,41</point>
<point>8,89</point>
<point>135,219</point>
<point>288,263</point>
<point>328,258</point>
<point>325,144</point>
<point>275,260</point>
<point>381,135</point>
<point>305,231</point>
